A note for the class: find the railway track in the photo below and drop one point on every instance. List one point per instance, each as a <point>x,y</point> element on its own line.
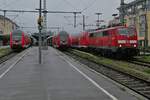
<point>7,57</point>
<point>134,61</point>
<point>138,85</point>
<point>141,63</point>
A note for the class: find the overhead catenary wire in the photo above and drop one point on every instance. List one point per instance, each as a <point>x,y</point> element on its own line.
<point>10,3</point>
<point>89,6</point>
<point>70,4</point>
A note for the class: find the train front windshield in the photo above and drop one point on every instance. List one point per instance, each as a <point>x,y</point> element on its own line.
<point>126,31</point>
<point>63,35</point>
<point>17,35</point>
<point>132,31</point>
<point>123,31</point>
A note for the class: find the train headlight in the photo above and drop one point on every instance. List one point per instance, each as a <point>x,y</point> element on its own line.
<point>63,42</point>
<point>135,45</point>
<point>121,41</point>
<point>120,45</point>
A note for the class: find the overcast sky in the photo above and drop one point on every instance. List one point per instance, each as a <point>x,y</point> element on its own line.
<point>88,8</point>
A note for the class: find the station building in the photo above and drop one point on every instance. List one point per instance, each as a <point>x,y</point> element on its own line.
<point>6,26</point>
<point>137,13</point>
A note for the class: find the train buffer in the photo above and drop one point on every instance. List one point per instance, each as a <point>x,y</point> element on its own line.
<point>57,78</point>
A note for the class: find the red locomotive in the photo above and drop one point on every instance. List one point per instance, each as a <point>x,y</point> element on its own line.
<point>118,40</point>
<point>19,40</point>
<point>61,40</point>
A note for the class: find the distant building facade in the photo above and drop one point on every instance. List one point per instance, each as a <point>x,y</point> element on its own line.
<point>6,25</point>
<point>137,13</point>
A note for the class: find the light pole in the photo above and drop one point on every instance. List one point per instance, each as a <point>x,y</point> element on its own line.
<point>98,19</point>
<point>122,11</point>
<point>83,22</point>
<point>40,28</point>
<point>146,28</point>
<point>45,47</point>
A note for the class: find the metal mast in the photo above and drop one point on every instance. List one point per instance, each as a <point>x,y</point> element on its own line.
<point>98,19</point>
<point>44,25</point>
<point>122,11</point>
<point>40,28</point>
<point>83,22</point>
<point>45,16</point>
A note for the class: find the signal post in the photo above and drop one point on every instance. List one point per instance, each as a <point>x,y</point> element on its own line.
<point>40,20</point>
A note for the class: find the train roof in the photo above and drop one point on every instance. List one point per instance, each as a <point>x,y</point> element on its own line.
<point>110,28</point>
<point>63,32</point>
<point>17,31</point>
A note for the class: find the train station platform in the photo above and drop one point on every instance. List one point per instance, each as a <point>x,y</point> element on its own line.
<point>58,78</point>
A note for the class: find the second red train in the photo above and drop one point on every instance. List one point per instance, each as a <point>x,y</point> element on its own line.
<point>118,41</point>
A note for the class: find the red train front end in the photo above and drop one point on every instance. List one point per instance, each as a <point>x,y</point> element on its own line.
<point>127,42</point>
<point>117,41</point>
<point>61,40</point>
<point>19,40</point>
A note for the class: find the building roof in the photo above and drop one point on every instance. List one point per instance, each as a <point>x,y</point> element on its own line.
<point>132,3</point>
<point>6,18</point>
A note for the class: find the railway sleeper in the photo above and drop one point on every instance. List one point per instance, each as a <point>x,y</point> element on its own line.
<point>123,78</point>
<point>137,85</point>
<point>143,88</point>
<point>147,93</point>
<point>130,82</point>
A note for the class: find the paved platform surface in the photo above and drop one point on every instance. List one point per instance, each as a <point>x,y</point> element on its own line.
<point>58,78</point>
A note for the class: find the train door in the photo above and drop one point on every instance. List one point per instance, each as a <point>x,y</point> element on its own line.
<point>99,39</point>
<point>106,39</point>
<point>113,38</point>
<point>110,35</point>
<point>92,40</point>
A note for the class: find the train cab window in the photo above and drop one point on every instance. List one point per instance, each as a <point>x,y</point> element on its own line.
<point>123,31</point>
<point>17,35</point>
<point>63,35</point>
<point>99,34</point>
<point>91,35</point>
<point>95,35</point>
<point>132,31</point>
<point>105,33</point>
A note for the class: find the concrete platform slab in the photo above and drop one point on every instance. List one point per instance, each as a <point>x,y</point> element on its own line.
<point>58,78</point>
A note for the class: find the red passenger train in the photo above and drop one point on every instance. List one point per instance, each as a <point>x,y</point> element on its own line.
<point>119,40</point>
<point>61,40</point>
<point>19,40</point>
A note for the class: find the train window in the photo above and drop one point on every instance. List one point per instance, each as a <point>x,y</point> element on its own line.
<point>123,31</point>
<point>99,34</point>
<point>105,33</point>
<point>17,34</point>
<point>91,35</point>
<point>63,35</point>
<point>131,31</point>
<point>95,35</point>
